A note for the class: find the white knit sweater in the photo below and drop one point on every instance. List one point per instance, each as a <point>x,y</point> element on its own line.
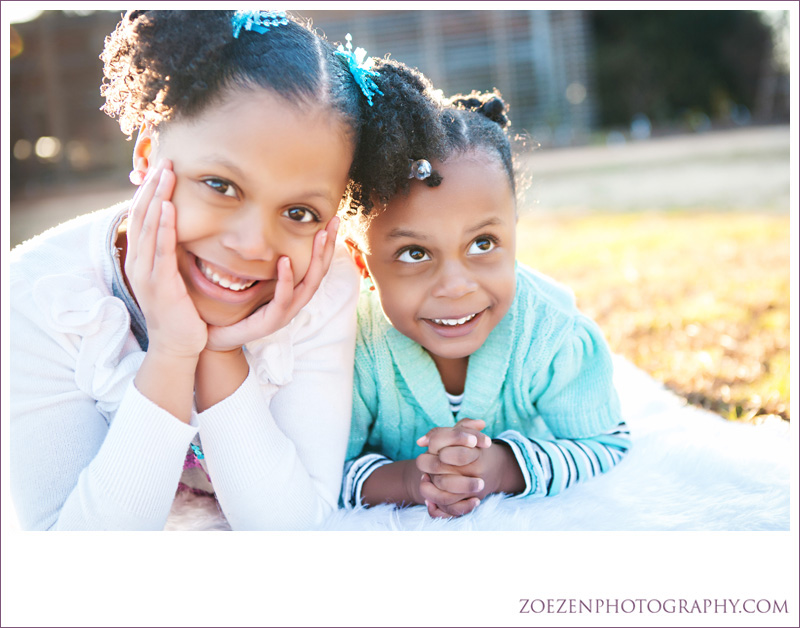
<point>88,451</point>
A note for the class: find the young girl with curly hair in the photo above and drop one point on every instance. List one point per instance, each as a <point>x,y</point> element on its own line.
<point>473,373</point>
<point>201,335</point>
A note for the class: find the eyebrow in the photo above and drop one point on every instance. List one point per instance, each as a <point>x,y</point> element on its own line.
<point>400,232</point>
<point>218,160</point>
<point>490,222</point>
<point>406,233</point>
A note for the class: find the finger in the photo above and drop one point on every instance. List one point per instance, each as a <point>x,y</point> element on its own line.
<point>141,200</point>
<point>459,456</point>
<point>430,463</point>
<point>470,426</point>
<point>435,512</point>
<point>475,424</point>
<point>441,437</point>
<point>430,492</point>
<point>139,265</point>
<point>268,318</point>
<point>332,229</point>
<point>461,508</point>
<point>458,484</point>
<point>164,259</point>
<point>148,236</point>
<point>275,313</point>
<point>441,498</point>
<point>321,255</point>
<point>284,286</point>
<point>478,425</point>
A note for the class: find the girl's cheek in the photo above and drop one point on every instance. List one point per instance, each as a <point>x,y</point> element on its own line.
<point>300,255</point>
<point>183,217</point>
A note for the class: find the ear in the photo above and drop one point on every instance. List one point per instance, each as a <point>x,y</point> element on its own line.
<point>143,149</point>
<point>358,257</point>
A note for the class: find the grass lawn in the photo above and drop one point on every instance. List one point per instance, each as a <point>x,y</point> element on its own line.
<point>699,300</point>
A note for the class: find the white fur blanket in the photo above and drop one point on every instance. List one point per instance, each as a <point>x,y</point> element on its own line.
<point>687,470</point>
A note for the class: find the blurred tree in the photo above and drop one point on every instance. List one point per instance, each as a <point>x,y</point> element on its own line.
<point>666,63</point>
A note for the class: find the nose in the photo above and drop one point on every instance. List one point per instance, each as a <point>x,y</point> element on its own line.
<point>453,281</point>
<point>250,236</point>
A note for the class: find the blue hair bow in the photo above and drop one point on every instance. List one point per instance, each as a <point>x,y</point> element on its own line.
<point>360,68</point>
<point>258,21</point>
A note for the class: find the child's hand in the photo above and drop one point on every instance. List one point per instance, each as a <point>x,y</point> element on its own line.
<point>174,327</point>
<point>287,301</point>
<point>452,484</point>
<point>443,504</point>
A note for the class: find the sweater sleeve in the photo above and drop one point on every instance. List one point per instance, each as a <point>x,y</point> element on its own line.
<point>70,468</point>
<point>576,398</point>
<point>551,466</point>
<point>360,462</point>
<point>275,453</point>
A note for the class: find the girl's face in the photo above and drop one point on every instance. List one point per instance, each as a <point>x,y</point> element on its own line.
<point>442,259</point>
<point>256,178</point>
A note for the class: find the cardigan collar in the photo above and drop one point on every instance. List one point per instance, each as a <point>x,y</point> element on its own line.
<point>486,372</point>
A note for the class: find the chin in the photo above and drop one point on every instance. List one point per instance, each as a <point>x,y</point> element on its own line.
<point>221,321</point>
<point>452,352</point>
<point>219,318</point>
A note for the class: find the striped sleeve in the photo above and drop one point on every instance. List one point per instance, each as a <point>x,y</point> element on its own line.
<point>356,473</point>
<point>552,466</point>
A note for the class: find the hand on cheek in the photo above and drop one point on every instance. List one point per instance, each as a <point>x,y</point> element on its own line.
<point>288,299</point>
<point>173,324</point>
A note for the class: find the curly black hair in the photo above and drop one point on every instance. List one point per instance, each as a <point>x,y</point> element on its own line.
<point>160,65</point>
<point>413,121</point>
<point>403,124</point>
<point>480,121</point>
<point>164,65</point>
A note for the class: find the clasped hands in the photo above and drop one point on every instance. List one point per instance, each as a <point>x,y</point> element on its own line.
<point>460,467</point>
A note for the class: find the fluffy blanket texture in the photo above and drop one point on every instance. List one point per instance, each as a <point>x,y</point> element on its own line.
<point>687,470</point>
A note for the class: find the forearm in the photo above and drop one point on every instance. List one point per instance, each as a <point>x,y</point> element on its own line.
<point>131,482</point>
<point>117,477</point>
<point>393,483</point>
<point>219,374</point>
<point>275,447</point>
<point>506,473</point>
<point>264,477</point>
<point>168,381</point>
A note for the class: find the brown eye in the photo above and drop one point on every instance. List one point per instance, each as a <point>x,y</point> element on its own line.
<point>482,245</point>
<point>222,187</point>
<point>413,255</point>
<point>301,214</point>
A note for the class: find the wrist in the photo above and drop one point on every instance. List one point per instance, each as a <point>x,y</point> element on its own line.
<point>412,477</point>
<point>175,361</point>
<point>222,355</point>
<point>509,478</point>
<point>169,346</point>
<point>219,374</point>
<point>393,483</point>
<point>168,381</point>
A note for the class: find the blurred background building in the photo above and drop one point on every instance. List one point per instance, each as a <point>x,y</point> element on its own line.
<point>572,77</point>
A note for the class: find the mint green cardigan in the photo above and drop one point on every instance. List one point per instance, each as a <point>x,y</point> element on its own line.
<point>545,371</point>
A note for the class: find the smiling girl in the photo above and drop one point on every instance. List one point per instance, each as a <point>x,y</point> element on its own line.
<point>199,337</point>
<point>474,374</point>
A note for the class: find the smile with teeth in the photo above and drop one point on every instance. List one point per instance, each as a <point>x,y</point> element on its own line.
<point>452,322</point>
<point>222,279</point>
